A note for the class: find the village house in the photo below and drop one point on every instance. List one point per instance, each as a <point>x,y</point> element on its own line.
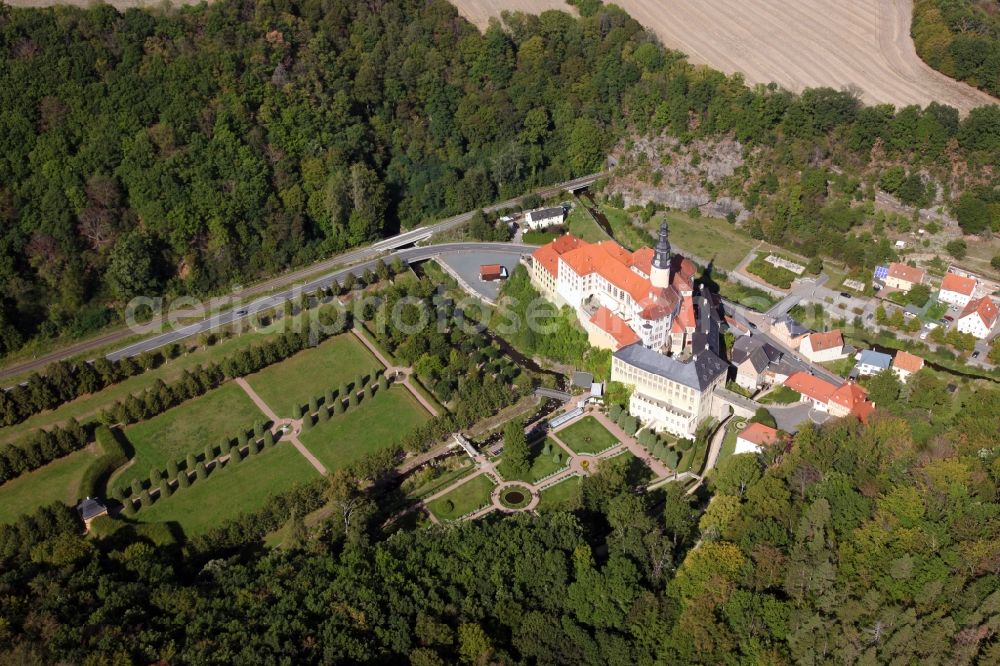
<point>903,277</point>
<point>956,289</point>
<point>789,332</point>
<point>871,362</point>
<point>544,217</point>
<point>905,364</point>
<point>823,347</point>
<point>752,357</point>
<point>755,438</point>
<point>978,318</point>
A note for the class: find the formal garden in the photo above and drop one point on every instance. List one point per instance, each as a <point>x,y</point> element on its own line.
<point>472,495</point>
<point>587,436</point>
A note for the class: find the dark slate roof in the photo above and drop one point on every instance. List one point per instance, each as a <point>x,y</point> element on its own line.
<point>90,508</point>
<point>696,373</point>
<point>545,213</point>
<point>748,345</point>
<point>706,333</point>
<point>759,360</point>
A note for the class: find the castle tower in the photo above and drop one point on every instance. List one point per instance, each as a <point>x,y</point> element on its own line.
<point>659,275</point>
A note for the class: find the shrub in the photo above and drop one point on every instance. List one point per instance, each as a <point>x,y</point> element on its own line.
<point>201,471</point>
<point>183,480</point>
<point>307,423</point>
<point>614,412</point>
<point>297,412</point>
<point>234,454</point>
<point>448,506</point>
<point>172,470</point>
<point>313,405</point>
<point>154,477</point>
<point>136,487</point>
<point>165,489</point>
<point>324,414</point>
<point>338,406</point>
<point>268,438</point>
<point>764,417</point>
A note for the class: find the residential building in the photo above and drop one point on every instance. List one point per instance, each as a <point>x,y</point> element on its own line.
<point>812,389</point>
<point>903,277</point>
<point>789,332</point>
<point>850,399</point>
<point>871,362</point>
<point>651,290</point>
<point>755,437</point>
<point>957,289</point>
<point>822,347</point>
<point>905,364</point>
<point>978,318</point>
<point>544,217</point>
<point>669,394</point>
<point>752,357</point>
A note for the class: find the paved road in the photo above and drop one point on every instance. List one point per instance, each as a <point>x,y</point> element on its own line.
<point>272,301</point>
<point>804,289</point>
<point>348,258</point>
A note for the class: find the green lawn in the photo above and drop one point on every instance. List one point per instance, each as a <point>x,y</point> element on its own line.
<point>582,225</point>
<point>92,404</point>
<point>841,367</point>
<point>59,481</point>
<point>710,238</point>
<point>729,442</point>
<point>469,496</point>
<point>242,487</point>
<point>371,426</point>
<point>626,233</point>
<point>587,436</point>
<point>541,465</point>
<point>782,395</point>
<point>312,373</point>
<point>564,496</point>
<point>539,237</point>
<point>187,428</point>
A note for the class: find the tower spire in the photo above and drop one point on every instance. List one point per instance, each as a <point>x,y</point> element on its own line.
<point>661,258</point>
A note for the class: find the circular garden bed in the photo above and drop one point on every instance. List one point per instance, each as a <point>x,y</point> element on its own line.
<point>515,497</point>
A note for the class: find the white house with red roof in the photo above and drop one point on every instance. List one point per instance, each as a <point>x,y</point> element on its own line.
<point>755,438</point>
<point>649,290</point>
<point>823,347</point>
<point>957,289</point>
<point>978,318</point>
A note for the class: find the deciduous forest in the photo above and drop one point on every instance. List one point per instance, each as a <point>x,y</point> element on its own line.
<point>180,152</point>
<point>858,544</point>
<point>960,38</point>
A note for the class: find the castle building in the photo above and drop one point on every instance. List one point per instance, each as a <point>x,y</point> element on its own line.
<point>648,292</point>
<point>644,307</point>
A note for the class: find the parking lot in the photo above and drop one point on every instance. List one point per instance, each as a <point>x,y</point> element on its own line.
<point>466,266</point>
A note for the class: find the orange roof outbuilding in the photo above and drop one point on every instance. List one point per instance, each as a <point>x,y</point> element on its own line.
<point>759,434</point>
<point>849,396</point>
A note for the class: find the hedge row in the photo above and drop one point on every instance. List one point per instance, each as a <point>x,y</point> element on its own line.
<point>39,448</point>
<point>113,456</point>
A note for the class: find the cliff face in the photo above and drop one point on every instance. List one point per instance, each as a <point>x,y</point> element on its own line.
<point>695,175</point>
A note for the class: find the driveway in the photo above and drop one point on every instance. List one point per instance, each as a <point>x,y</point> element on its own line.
<point>466,265</point>
<point>790,417</point>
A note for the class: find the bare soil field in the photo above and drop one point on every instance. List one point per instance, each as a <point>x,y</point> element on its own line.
<point>803,43</point>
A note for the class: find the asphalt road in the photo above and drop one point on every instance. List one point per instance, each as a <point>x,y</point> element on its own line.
<point>294,277</point>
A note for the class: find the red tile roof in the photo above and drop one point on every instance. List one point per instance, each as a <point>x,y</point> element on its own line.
<point>984,307</point>
<point>686,315</point>
<point>907,273</point>
<point>810,386</point>
<point>958,284</point>
<point>759,434</point>
<point>904,360</point>
<point>863,410</point>
<point>823,341</point>
<point>614,326</point>
<point>548,254</point>
<point>850,396</point>
<point>490,270</point>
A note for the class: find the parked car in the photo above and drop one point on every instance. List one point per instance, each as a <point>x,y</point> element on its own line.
<point>975,354</point>
<point>240,313</point>
<point>845,294</point>
<point>947,318</point>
